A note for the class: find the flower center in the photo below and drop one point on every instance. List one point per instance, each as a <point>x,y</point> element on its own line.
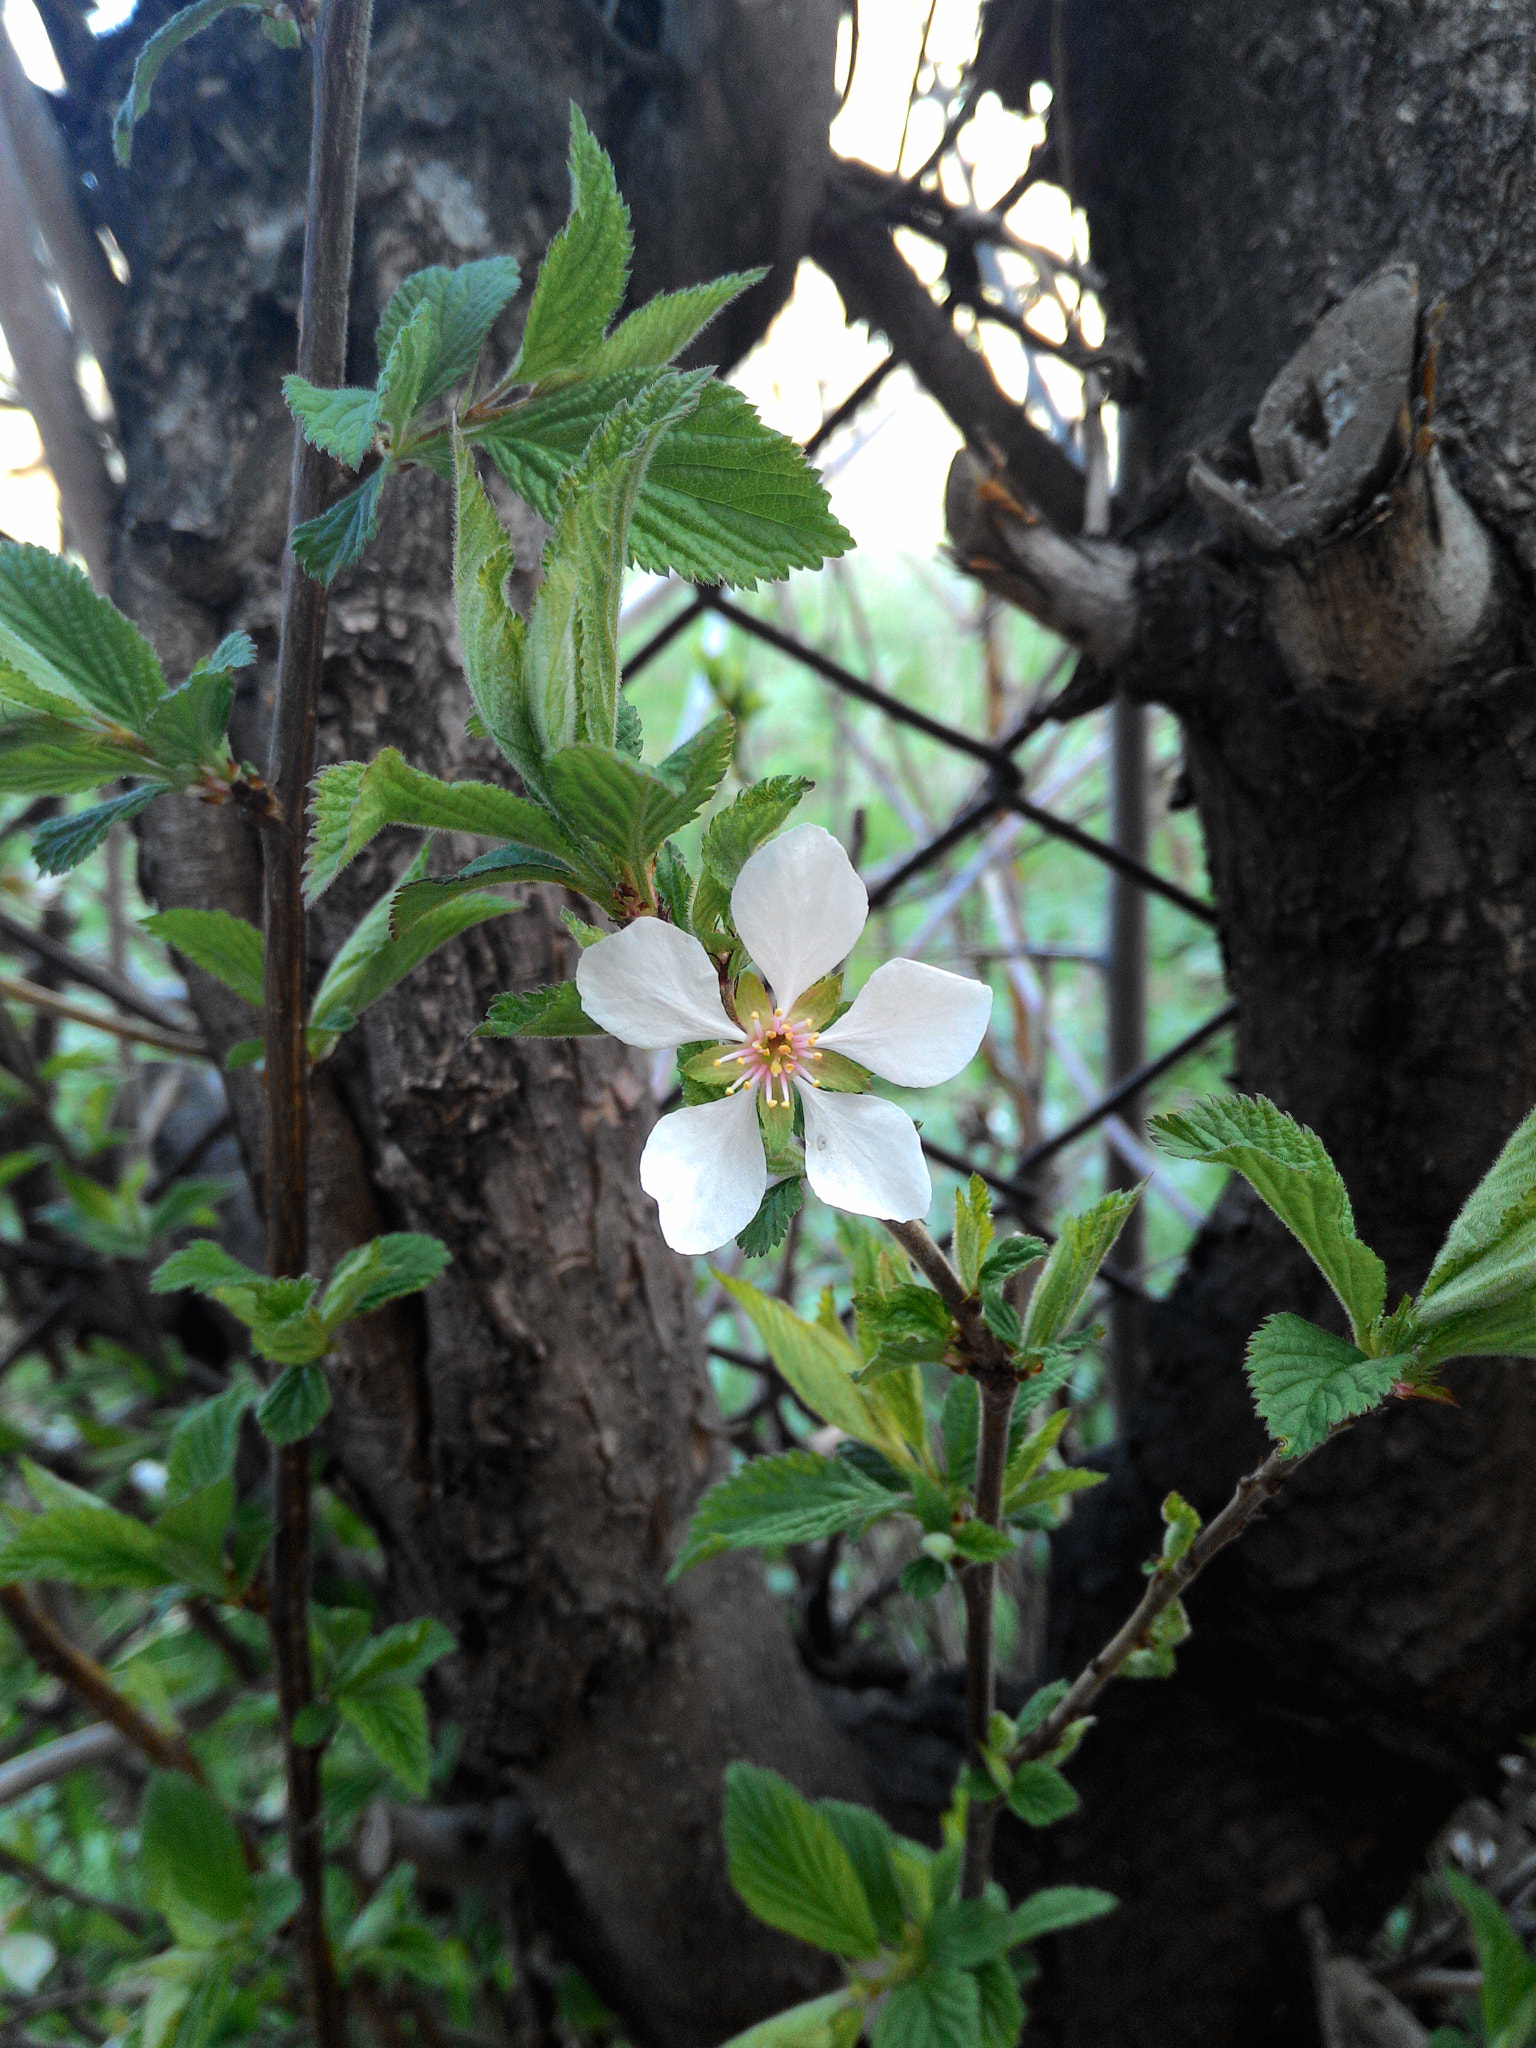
<point>778,1049</point>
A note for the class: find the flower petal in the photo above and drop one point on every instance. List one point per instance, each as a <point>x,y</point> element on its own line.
<point>653,986</point>
<point>863,1154</point>
<point>704,1168</point>
<point>799,907</point>
<point>913,1024</point>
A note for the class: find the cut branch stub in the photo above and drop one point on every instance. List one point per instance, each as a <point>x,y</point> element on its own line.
<point>1082,588</point>
<point>1378,575</point>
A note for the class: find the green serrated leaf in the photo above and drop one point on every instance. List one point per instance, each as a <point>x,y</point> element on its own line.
<point>728,500</point>
<point>396,1656</point>
<point>226,947</point>
<point>392,1721</point>
<point>623,810</point>
<point>819,1366</point>
<point>1509,1974</point>
<point>973,1229</point>
<point>191,1864</point>
<point>149,63</point>
<point>573,634</point>
<point>492,637</point>
<point>752,817</point>
<point>62,843</point>
<point>384,1269</point>
<point>463,304</point>
<point>1041,1796</point>
<point>344,423</point>
<point>664,326</point>
<point>1082,1247</point>
<point>1288,1166</point>
<point>1181,1525</point>
<point>1002,2010</point>
<point>188,729</point>
<point>811,2025</point>
<point>355,801</point>
<point>789,1867</point>
<point>979,1543</point>
<point>777,1210</point>
<point>553,1012</point>
<point>295,1405</point>
<point>581,280</point>
<point>204,1441</point>
<point>796,1497</point>
<point>1305,1381</point>
<point>938,2008</point>
<point>377,955</point>
<point>41,755</point>
<point>407,368</point>
<point>1062,1906</point>
<point>872,1849</point>
<point>338,538</point>
<point>428,898</point>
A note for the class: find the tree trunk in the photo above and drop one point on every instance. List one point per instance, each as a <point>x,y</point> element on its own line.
<point>529,1444</point>
<point>1365,788</point>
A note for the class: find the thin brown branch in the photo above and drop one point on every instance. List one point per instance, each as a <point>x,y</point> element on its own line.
<point>852,243</point>
<point>1163,1588</point>
<point>77,258</point>
<point>56,1888</point>
<point>340,81</point>
<point>979,1586</point>
<point>88,973</point>
<point>43,351</point>
<point>931,1263</point>
<point>48,1646</point>
<point>16,990</point>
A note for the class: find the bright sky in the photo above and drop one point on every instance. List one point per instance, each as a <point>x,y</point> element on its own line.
<point>886,475</point>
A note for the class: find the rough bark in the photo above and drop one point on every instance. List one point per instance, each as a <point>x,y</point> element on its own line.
<point>1361,1659</point>
<point>529,1443</point>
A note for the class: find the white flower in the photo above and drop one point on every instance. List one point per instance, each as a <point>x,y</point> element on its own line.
<point>799,907</point>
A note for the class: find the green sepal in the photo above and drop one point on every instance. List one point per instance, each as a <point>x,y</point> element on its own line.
<point>777,1210</point>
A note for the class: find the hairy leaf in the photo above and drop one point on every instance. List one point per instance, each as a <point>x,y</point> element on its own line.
<point>392,1721</point>
<point>581,280</point>
<point>465,304</point>
<point>572,644</point>
<point>344,423</point>
<point>403,1262</point>
<point>622,809</point>
<point>553,1012</point>
<point>974,1229</point>
<point>1063,1905</point>
<point>727,500</point>
<point>62,843</point>
<point>938,2008</point>
<point>789,1867</point>
<point>204,1441</point>
<point>491,635</point>
<point>45,756</point>
<point>777,1210</point>
<point>295,1405</point>
<point>70,641</point>
<point>375,956</point>
<point>1288,1167</point>
<point>355,801</point>
<point>338,538</point>
<point>190,1860</point>
<point>819,1365</point>
<point>226,947</point>
<point>188,729</point>
<point>150,62</point>
<point>796,1497</point>
<point>1041,1796</point>
<point>1305,1380</point>
<point>1084,1244</point>
<point>663,327</point>
<point>397,1656</point>
<point>750,818</point>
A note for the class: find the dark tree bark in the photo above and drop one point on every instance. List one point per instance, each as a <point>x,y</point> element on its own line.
<point>1362,1658</point>
<point>530,1443</point>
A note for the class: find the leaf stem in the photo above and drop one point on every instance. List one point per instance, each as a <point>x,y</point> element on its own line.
<point>979,1586</point>
<point>340,77</point>
<point>1165,1585</point>
<point>48,1646</point>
